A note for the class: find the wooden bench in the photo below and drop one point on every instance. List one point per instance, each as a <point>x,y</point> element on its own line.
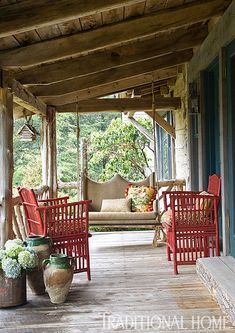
<point>115,189</point>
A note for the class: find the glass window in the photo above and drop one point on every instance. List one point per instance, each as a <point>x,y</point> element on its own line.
<point>164,150</point>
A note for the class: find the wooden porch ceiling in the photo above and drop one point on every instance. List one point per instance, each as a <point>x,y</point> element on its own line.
<point>70,51</point>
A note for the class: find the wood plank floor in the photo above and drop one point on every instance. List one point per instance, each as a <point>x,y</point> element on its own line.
<point>133,289</point>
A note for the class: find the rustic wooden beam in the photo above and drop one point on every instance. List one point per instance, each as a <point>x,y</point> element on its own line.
<point>6,161</point>
<point>29,15</point>
<point>121,105</point>
<point>48,151</point>
<point>144,90</point>
<point>163,123</point>
<point>115,57</point>
<point>111,87</point>
<point>141,129</point>
<point>23,97</point>
<point>115,34</point>
<point>20,112</point>
<point>112,75</point>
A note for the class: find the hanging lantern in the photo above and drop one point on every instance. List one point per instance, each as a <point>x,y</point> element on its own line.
<point>28,132</point>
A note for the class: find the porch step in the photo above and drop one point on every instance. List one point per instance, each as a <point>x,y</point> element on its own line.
<point>218,274</point>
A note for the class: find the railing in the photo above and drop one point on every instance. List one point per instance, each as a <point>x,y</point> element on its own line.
<point>19,225</point>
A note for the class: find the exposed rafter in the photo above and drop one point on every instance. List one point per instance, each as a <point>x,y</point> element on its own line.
<point>141,128</point>
<point>114,34</point>
<point>112,75</point>
<point>28,15</point>
<point>163,124</point>
<point>26,99</point>
<point>121,105</point>
<point>19,111</point>
<point>111,87</point>
<point>116,57</point>
<point>21,95</point>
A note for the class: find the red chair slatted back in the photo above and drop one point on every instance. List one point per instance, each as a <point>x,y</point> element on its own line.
<point>30,204</point>
<point>67,220</point>
<point>192,210</point>
<point>214,185</point>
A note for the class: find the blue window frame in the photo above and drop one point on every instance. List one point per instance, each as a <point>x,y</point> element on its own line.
<point>164,150</point>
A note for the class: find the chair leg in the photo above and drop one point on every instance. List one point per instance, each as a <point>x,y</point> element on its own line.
<point>175,262</point>
<point>206,247</point>
<point>217,246</point>
<point>88,274</point>
<point>168,253</point>
<point>88,262</point>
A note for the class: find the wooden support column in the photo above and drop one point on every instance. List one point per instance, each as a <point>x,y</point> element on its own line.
<point>83,180</point>
<point>48,151</point>
<point>6,161</point>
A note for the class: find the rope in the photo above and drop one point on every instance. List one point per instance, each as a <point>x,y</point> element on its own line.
<point>155,149</point>
<point>78,160</point>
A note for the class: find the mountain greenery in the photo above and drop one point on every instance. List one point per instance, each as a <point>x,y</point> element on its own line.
<point>113,147</point>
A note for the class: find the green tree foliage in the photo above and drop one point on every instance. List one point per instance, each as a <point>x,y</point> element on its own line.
<point>27,157</point>
<point>121,148</point>
<point>67,139</point>
<point>113,147</point>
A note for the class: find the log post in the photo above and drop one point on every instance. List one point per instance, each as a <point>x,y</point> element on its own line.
<point>6,161</point>
<point>48,151</point>
<point>83,179</point>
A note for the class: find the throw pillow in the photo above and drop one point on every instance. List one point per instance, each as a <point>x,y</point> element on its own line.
<point>116,205</point>
<point>167,217</point>
<point>142,197</point>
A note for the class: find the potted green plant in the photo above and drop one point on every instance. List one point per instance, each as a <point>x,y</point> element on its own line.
<point>15,260</point>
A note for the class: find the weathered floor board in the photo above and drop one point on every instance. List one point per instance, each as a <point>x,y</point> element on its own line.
<point>133,289</point>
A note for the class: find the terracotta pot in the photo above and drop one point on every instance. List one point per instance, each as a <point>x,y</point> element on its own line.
<point>42,246</point>
<point>12,291</point>
<point>58,276</point>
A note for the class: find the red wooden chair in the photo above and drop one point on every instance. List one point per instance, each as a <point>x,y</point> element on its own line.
<point>66,223</point>
<point>193,231</point>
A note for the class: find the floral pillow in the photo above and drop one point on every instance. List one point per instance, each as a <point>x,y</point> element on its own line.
<point>204,204</point>
<point>167,217</point>
<point>141,197</point>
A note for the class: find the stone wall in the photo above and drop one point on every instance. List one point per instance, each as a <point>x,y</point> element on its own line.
<point>181,128</point>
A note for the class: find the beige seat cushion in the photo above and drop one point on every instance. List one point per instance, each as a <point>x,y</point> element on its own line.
<point>100,216</point>
<point>116,205</point>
